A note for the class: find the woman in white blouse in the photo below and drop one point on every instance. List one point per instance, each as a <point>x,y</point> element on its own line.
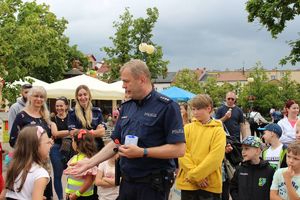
<point>288,123</point>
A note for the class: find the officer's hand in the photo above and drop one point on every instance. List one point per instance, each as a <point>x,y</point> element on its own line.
<point>77,168</point>
<point>131,151</point>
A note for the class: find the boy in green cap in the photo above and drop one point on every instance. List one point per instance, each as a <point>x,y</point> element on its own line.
<point>253,178</point>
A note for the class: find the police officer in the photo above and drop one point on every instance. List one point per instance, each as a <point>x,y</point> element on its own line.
<point>155,123</point>
<point>84,115</point>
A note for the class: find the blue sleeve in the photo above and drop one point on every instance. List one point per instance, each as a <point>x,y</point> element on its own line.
<point>219,113</point>
<point>173,124</point>
<point>241,116</point>
<point>72,120</point>
<point>17,125</point>
<point>100,119</point>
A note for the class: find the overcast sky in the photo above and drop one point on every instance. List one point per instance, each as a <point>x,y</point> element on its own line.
<point>194,33</point>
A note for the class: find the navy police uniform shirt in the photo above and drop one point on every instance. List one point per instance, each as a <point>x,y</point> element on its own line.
<point>155,120</point>
<point>74,123</point>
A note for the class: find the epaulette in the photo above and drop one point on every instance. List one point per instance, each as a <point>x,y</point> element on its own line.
<point>164,99</point>
<point>127,101</point>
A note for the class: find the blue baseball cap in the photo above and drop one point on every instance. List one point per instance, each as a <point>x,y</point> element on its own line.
<point>252,141</point>
<point>275,128</point>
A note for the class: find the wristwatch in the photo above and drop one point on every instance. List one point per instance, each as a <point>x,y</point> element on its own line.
<point>145,153</point>
<point>77,193</point>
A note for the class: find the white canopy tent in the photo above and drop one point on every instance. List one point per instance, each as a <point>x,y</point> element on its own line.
<point>99,89</point>
<point>28,79</point>
<point>117,86</point>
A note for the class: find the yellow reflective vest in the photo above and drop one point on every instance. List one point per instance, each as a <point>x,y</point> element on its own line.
<point>75,183</point>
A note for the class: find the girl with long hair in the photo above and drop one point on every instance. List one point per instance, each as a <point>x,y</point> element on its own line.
<point>26,177</point>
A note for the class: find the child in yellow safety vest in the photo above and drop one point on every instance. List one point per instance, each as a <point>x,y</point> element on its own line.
<point>81,187</point>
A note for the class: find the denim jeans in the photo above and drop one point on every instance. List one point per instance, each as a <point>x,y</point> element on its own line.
<point>57,165</point>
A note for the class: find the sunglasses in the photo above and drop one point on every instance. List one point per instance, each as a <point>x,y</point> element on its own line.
<point>230,99</point>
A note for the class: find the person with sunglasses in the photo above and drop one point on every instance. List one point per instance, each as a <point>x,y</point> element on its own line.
<point>231,116</point>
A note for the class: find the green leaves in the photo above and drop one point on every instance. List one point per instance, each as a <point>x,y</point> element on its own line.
<point>130,33</point>
<point>32,43</point>
<point>274,15</point>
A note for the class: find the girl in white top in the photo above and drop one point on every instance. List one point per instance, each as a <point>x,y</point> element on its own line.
<point>106,179</point>
<point>26,179</point>
<point>288,123</point>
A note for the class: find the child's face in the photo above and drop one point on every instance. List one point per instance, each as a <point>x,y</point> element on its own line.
<point>202,113</point>
<point>298,132</point>
<point>293,160</point>
<point>250,153</point>
<point>45,146</point>
<point>268,135</point>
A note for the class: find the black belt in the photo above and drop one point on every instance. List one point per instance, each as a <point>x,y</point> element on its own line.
<point>144,179</point>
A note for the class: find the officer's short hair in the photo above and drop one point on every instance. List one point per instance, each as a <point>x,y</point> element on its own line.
<point>137,68</point>
<point>201,101</point>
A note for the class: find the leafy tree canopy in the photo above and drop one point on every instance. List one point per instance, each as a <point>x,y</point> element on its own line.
<point>130,33</point>
<point>33,43</point>
<point>274,15</point>
<point>188,80</point>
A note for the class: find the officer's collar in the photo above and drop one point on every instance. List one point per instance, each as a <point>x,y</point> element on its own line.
<point>144,100</point>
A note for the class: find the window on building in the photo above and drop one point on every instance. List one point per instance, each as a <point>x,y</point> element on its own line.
<point>273,77</point>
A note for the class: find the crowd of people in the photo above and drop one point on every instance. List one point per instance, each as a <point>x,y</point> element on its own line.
<point>156,144</point>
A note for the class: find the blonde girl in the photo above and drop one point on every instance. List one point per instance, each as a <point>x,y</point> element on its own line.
<point>26,177</point>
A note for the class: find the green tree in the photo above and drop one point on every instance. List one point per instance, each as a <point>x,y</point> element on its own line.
<point>130,33</point>
<point>274,15</point>
<point>289,89</point>
<point>188,80</point>
<point>32,43</point>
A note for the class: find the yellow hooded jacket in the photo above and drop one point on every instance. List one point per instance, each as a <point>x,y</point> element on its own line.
<point>205,149</point>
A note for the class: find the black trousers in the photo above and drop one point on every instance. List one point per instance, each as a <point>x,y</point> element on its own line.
<point>225,190</point>
<point>141,191</point>
<point>199,195</point>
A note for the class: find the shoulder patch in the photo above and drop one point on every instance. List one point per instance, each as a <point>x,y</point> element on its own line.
<point>164,99</point>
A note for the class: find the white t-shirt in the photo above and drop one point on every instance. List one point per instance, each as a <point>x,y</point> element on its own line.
<point>36,172</point>
<point>273,156</point>
<point>288,132</point>
<point>279,184</point>
<point>112,192</point>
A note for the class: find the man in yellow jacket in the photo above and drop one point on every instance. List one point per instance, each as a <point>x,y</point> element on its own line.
<point>200,175</point>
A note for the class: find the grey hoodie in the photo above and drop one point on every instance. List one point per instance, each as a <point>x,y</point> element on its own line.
<point>13,111</point>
